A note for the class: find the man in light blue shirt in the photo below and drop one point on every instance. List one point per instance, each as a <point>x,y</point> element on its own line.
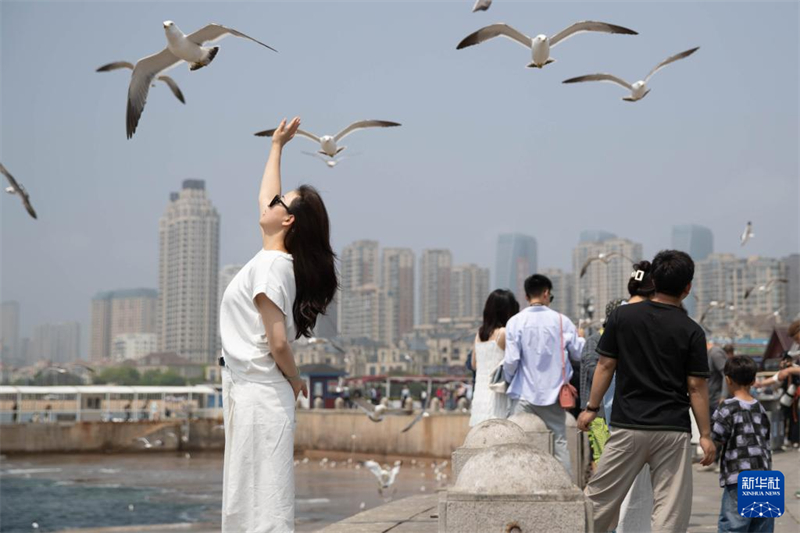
<point>538,343</point>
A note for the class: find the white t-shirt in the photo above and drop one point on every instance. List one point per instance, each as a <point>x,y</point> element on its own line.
<point>244,341</point>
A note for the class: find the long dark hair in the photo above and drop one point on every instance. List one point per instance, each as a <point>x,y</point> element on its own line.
<point>500,306</point>
<point>309,242</point>
<point>645,286</point>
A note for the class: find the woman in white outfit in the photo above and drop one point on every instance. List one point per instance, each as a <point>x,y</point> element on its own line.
<point>488,353</point>
<point>274,299</point>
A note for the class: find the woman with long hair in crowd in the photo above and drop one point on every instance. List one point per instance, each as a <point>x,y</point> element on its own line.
<point>273,300</point>
<point>488,353</point>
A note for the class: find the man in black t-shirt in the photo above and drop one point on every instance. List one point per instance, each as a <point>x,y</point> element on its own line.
<point>660,359</point>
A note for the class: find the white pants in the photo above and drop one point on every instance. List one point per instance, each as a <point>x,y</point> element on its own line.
<point>258,476</point>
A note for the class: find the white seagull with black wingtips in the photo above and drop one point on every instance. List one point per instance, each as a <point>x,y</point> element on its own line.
<point>638,89</point>
<point>541,44</point>
<point>180,47</point>
<point>15,188</point>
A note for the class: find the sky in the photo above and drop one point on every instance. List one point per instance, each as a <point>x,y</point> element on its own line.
<point>487,146</point>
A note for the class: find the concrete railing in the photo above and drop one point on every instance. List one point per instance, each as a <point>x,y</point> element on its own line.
<point>434,436</point>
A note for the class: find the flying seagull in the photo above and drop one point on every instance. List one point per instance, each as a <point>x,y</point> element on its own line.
<point>747,234</point>
<point>147,443</point>
<point>386,477</point>
<point>713,304</point>
<point>179,48</point>
<point>329,143</point>
<point>605,258</point>
<point>376,414</point>
<point>15,188</point>
<point>541,44</point>
<point>764,288</point>
<point>481,5</point>
<point>331,162</point>
<point>166,79</point>
<point>423,413</point>
<point>638,89</point>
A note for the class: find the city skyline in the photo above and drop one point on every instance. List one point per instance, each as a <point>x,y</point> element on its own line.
<point>683,155</point>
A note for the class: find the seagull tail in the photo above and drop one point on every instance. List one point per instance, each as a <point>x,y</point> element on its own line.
<point>210,55</point>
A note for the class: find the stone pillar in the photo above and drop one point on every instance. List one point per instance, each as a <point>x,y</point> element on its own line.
<point>408,405</point>
<point>338,403</point>
<point>535,430</point>
<point>488,433</point>
<point>579,450</point>
<point>513,487</point>
<point>319,403</point>
<point>462,404</point>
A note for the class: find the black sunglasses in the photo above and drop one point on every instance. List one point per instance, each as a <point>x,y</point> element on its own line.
<point>277,200</point>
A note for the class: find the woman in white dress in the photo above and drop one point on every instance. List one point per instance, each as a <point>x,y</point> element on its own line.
<point>274,299</point>
<point>488,353</point>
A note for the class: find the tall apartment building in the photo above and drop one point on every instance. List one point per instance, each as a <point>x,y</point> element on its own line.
<point>10,353</point>
<point>188,275</point>
<point>469,288</point>
<point>792,263</point>
<point>515,260</point>
<point>114,313</point>
<point>359,268</point>
<point>57,343</point>
<point>725,278</point>
<point>604,280</point>
<point>434,289</point>
<point>397,288</point>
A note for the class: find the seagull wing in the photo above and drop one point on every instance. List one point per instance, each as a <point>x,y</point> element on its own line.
<point>173,87</point>
<point>492,31</point>
<point>585,266</point>
<point>393,475</point>
<point>481,5</point>
<point>360,125</point>
<point>114,66</point>
<point>413,422</point>
<point>143,73</point>
<point>318,156</point>
<point>588,25</point>
<point>268,133</point>
<point>669,60</point>
<point>375,468</point>
<point>214,32</point>
<point>748,292</point>
<point>600,77</point>
<point>11,181</point>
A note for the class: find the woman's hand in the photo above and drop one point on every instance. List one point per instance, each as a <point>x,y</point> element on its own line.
<point>298,386</point>
<point>285,132</point>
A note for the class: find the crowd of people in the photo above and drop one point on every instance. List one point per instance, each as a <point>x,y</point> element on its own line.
<point>640,376</point>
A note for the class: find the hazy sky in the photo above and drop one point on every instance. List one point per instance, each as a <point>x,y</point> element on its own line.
<point>487,146</point>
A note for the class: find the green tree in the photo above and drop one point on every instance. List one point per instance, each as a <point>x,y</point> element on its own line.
<point>121,375</point>
<point>158,378</point>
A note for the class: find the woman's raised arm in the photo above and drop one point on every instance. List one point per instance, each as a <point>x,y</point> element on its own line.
<point>271,181</point>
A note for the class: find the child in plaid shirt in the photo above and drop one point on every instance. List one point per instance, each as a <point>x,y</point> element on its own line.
<point>741,427</point>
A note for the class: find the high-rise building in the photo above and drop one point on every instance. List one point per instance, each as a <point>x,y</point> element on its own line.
<point>698,242</point>
<point>793,287</point>
<point>57,343</point>
<point>131,346</point>
<point>514,262</point>
<point>721,282</point>
<point>118,312</point>
<point>595,235</point>
<point>397,286</point>
<point>434,287</point>
<point>9,334</point>
<point>188,275</point>
<point>361,310</point>
<point>358,267</point>
<point>563,292</point>
<point>605,280</point>
<point>469,288</point>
